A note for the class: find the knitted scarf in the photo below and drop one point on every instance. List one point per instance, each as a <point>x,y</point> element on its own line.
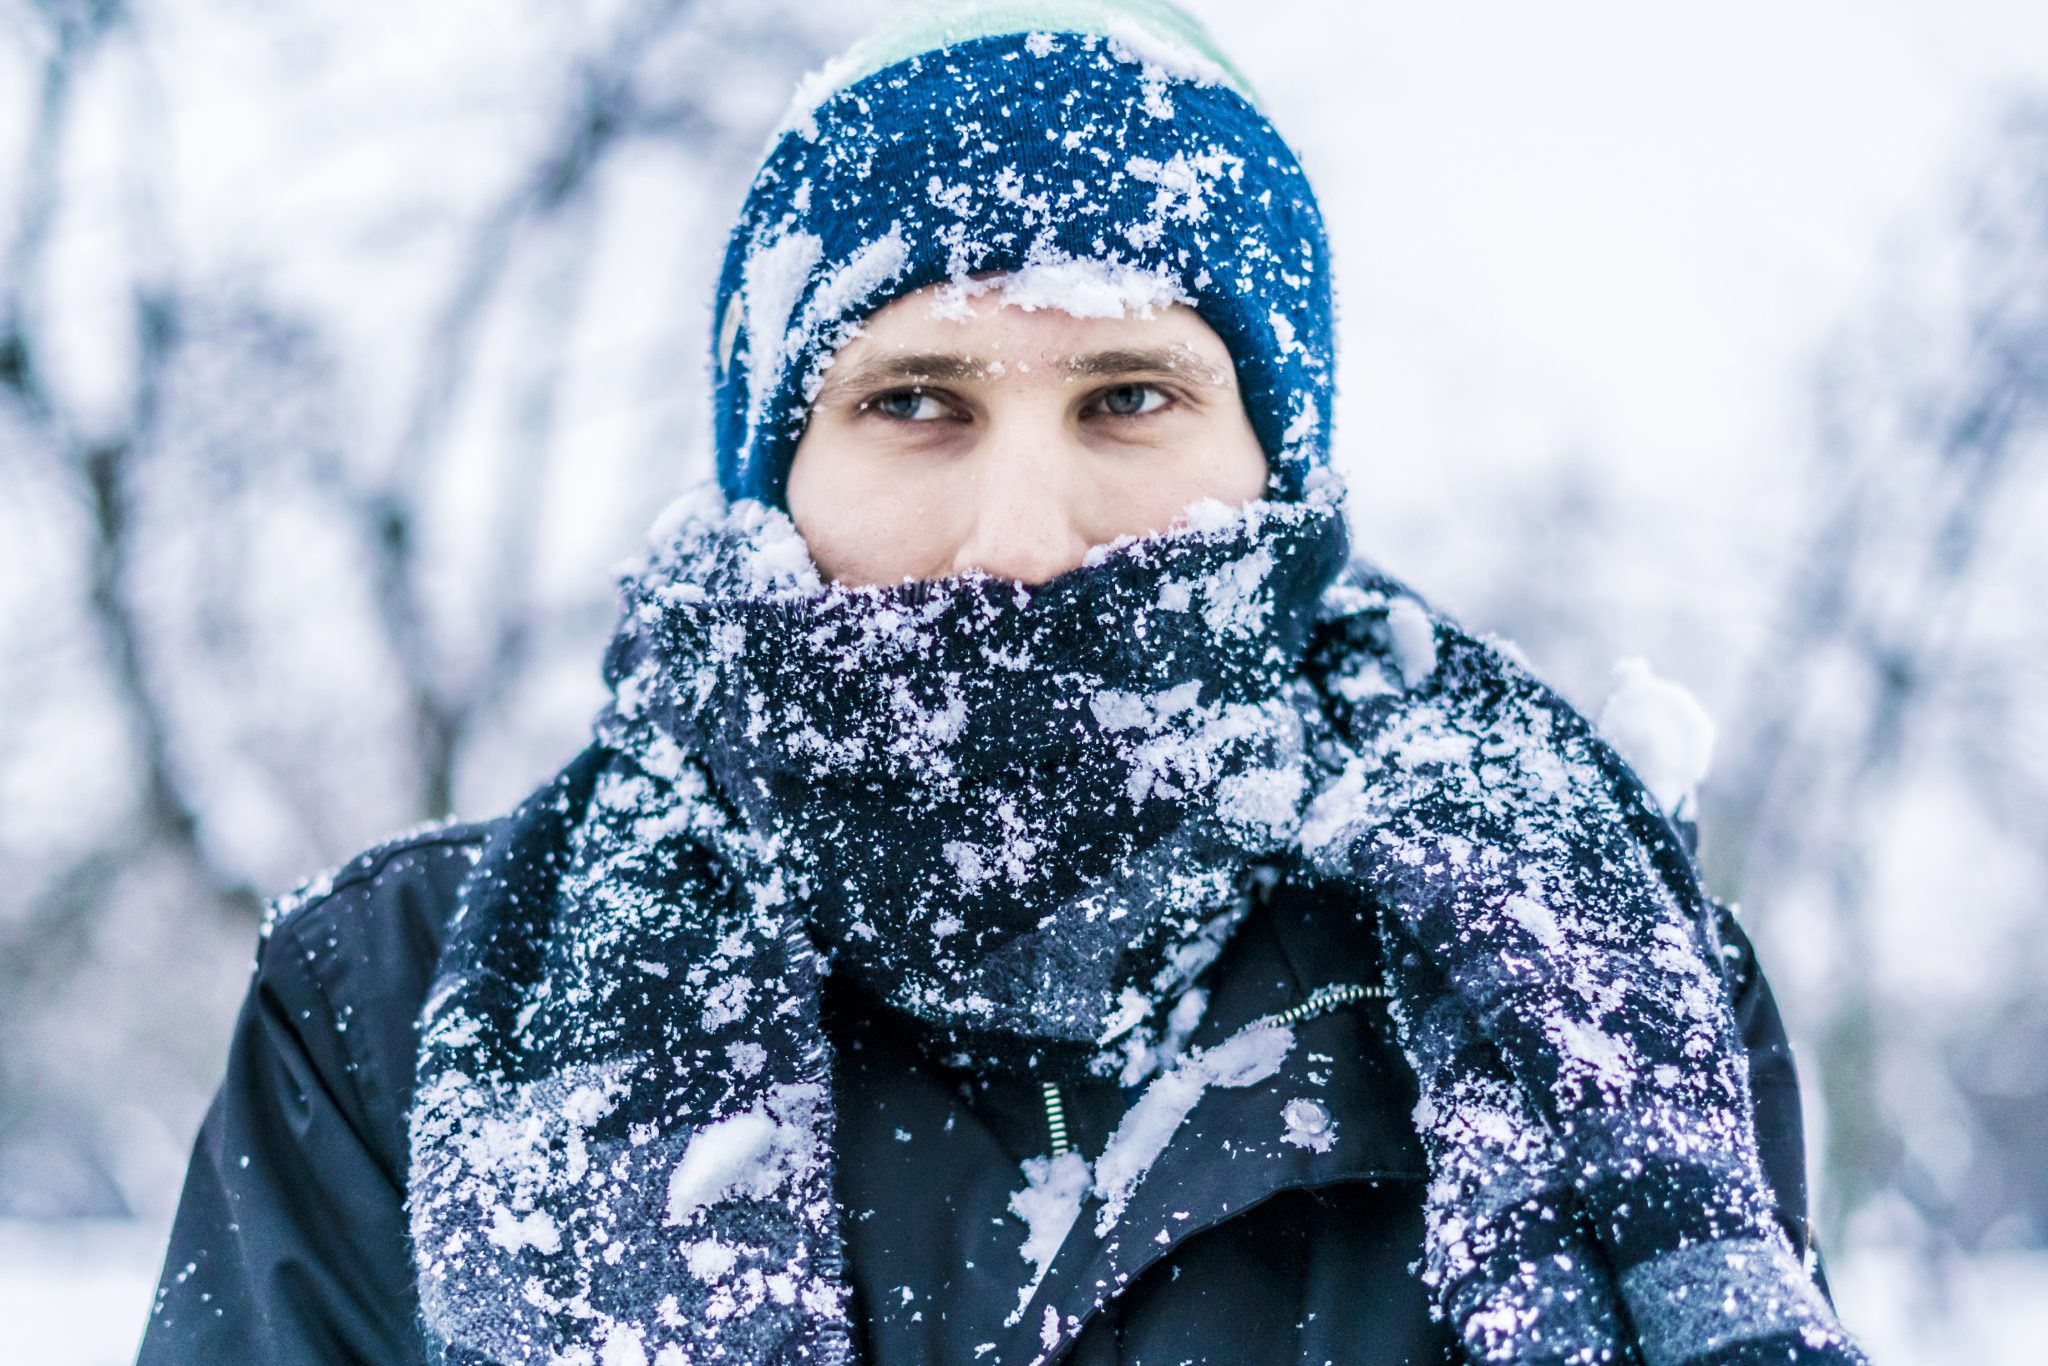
<point>1024,819</point>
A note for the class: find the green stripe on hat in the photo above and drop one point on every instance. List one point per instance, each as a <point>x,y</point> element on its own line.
<point>1154,31</point>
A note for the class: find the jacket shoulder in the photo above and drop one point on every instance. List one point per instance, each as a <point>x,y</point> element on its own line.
<point>345,963</point>
<point>424,854</point>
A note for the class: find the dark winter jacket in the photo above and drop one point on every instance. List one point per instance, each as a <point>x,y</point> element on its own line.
<point>290,1241</point>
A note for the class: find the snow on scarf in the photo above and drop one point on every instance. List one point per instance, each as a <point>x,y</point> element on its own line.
<point>1595,1191</point>
<point>1023,818</point>
<point>622,1137</point>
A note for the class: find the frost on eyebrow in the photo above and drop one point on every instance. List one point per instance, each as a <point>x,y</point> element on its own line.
<point>929,367</point>
<point>904,368</point>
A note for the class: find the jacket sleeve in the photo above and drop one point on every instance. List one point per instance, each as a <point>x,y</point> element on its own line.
<point>289,1244</point>
<point>1774,1089</point>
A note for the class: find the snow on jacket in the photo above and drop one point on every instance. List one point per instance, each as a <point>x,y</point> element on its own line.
<point>290,1239</point>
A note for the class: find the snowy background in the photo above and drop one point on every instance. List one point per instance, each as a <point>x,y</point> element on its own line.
<point>343,347</point>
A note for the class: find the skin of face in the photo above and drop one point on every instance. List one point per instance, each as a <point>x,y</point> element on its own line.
<point>979,435</point>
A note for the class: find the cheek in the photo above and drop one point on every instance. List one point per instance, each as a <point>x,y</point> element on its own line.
<point>1146,496</point>
<point>862,525</point>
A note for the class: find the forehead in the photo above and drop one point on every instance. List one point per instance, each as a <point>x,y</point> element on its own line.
<point>987,326</point>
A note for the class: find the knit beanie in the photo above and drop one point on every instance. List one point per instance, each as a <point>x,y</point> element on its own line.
<point>1101,155</point>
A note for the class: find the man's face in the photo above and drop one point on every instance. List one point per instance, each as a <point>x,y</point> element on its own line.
<point>988,437</point>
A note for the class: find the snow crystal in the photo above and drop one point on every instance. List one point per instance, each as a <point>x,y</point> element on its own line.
<point>1120,711</point>
<point>1238,598</point>
<point>1131,1008</point>
<point>1662,730</point>
<point>1267,800</point>
<point>866,271</point>
<point>1308,1125</point>
<point>710,1259</point>
<point>778,557</point>
<point>1334,810</point>
<point>748,1057</point>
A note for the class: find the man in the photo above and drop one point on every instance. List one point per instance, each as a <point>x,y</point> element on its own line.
<point>1028,898</point>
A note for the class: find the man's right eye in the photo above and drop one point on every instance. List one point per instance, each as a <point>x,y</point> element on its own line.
<point>907,405</point>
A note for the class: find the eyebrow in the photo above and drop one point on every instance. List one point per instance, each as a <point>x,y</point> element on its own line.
<point>941,366</point>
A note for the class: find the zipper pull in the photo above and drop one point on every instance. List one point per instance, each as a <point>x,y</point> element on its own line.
<point>1055,1116</point>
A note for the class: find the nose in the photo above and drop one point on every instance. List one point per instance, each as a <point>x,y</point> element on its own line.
<point>1025,523</point>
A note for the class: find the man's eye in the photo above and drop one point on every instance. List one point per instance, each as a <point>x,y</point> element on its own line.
<point>1132,400</point>
<point>907,405</point>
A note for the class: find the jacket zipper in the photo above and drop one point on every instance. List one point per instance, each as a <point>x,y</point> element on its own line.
<point>1320,1000</point>
<point>1328,998</point>
<point>1055,1116</point>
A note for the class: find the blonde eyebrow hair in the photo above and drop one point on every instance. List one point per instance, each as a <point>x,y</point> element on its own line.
<point>906,368</point>
<point>1160,360</point>
<point>928,366</point>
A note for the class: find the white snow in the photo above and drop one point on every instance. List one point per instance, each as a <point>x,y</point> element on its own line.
<point>729,1154</point>
<point>749,1154</point>
<point>536,1230</point>
<point>1248,1056</point>
<point>1084,287</point>
<point>77,1292</point>
<point>1307,1124</point>
<point>1414,641</point>
<point>772,280</point>
<point>1054,1188</point>
<point>623,1346</point>
<point>1662,730</point>
<point>1134,42</point>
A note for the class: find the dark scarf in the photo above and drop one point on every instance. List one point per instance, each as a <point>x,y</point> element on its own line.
<point>1024,820</point>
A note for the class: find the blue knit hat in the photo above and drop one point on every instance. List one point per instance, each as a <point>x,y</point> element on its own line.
<point>1108,143</point>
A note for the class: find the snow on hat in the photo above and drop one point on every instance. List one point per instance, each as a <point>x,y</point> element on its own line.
<point>1104,154</point>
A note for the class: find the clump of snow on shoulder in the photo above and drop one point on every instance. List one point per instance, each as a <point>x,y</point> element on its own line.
<point>1414,640</point>
<point>1054,1188</point>
<point>1246,1057</point>
<point>1662,730</point>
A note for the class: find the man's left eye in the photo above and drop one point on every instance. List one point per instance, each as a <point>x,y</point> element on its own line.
<point>1131,400</point>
